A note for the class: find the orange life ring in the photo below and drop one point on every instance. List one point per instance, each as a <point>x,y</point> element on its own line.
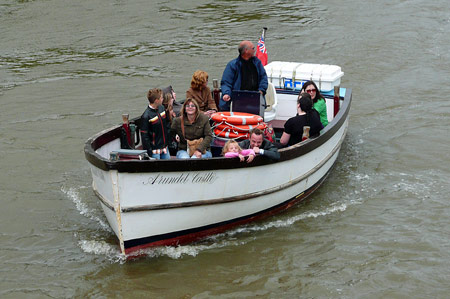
<point>236,118</point>
<point>241,128</point>
<point>230,134</point>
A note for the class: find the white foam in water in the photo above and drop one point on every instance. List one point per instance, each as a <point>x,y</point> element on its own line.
<point>219,242</point>
<point>102,248</point>
<point>284,223</point>
<point>112,252</point>
<point>180,251</point>
<point>84,210</point>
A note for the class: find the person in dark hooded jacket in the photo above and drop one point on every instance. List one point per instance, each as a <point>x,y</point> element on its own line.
<point>245,72</point>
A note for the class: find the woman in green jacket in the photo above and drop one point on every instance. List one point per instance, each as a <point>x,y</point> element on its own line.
<point>319,102</point>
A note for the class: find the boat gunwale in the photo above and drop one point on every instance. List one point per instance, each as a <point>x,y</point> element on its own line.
<point>136,166</point>
<point>227,199</point>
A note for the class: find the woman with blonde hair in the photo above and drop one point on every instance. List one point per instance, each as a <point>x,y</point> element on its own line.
<point>200,92</point>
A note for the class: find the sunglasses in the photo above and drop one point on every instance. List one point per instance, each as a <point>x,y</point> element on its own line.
<point>310,90</point>
<point>190,106</point>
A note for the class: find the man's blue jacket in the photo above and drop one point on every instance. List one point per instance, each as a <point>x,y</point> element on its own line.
<point>231,79</point>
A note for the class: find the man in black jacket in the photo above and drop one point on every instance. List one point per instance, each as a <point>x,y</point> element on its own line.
<point>260,146</point>
<point>155,126</point>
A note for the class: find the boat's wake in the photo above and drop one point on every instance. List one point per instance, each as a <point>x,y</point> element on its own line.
<point>223,240</point>
<point>284,223</point>
<point>101,247</point>
<point>74,195</point>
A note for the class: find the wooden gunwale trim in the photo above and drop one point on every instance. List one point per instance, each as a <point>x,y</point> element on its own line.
<point>103,200</point>
<point>231,198</point>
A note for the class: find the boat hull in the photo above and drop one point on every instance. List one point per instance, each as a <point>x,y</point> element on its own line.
<point>187,236</point>
<point>178,207</point>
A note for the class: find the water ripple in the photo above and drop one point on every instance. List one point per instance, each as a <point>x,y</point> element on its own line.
<point>226,239</point>
<point>82,207</point>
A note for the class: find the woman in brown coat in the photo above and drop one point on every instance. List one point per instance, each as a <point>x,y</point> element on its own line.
<point>201,93</point>
<point>192,125</point>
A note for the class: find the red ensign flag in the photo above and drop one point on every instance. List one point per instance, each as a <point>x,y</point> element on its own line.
<point>261,51</point>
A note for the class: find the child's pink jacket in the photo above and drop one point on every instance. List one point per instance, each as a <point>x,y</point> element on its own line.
<point>245,153</point>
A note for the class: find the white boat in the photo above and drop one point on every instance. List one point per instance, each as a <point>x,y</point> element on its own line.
<point>172,202</point>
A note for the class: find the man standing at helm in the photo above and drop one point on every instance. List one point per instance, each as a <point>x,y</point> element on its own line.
<point>245,72</point>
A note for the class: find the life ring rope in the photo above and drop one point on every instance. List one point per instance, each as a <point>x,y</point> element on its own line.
<point>244,128</point>
<point>235,125</point>
<point>230,134</point>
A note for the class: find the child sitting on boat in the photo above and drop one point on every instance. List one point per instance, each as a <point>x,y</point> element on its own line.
<point>231,149</point>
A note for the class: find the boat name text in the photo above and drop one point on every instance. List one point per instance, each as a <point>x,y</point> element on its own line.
<point>183,178</point>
